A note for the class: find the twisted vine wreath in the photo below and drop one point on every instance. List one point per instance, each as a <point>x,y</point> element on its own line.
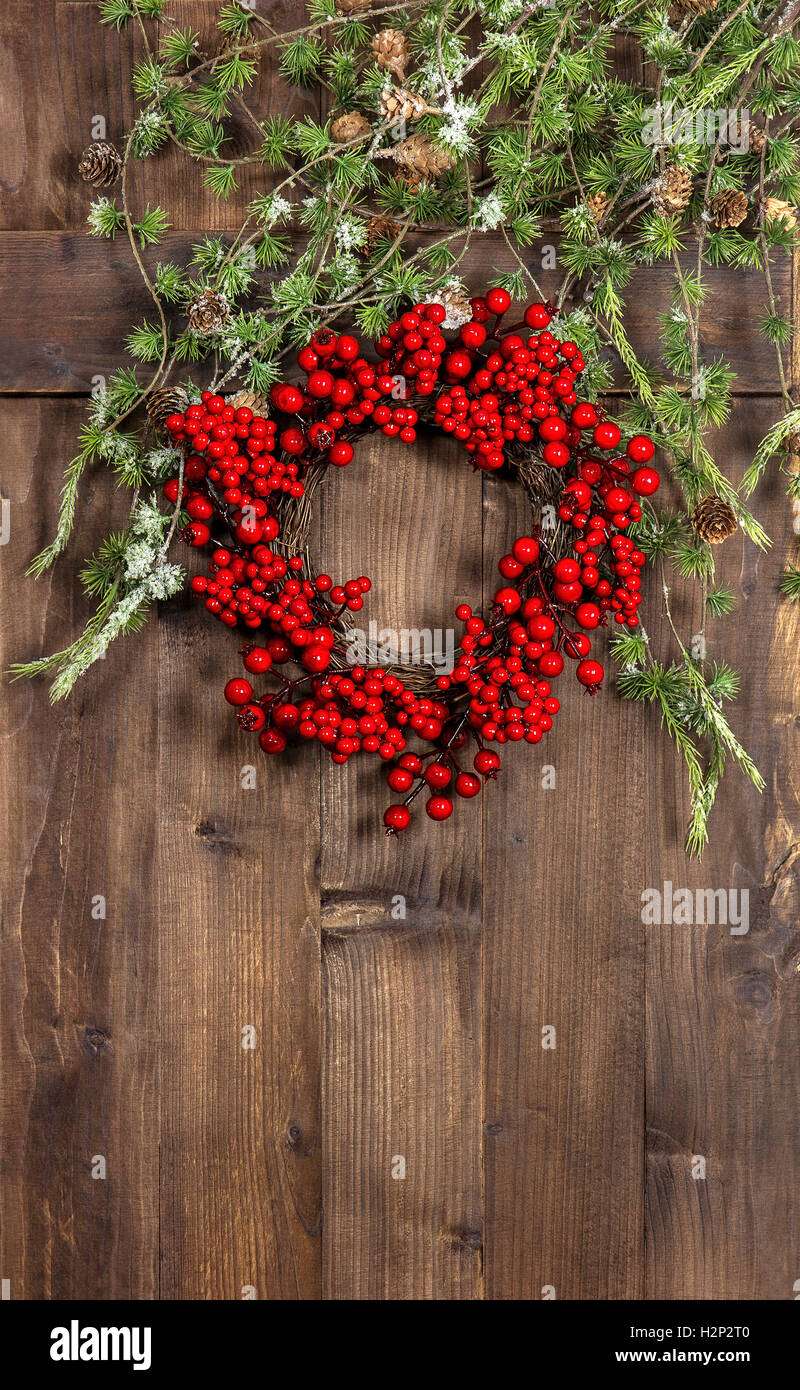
<point>517,121</point>
<point>508,394</point>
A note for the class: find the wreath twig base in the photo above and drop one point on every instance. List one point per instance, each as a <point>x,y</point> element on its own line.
<point>509,395</point>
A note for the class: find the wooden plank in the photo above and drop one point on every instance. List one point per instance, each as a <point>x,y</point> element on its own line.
<point>563,1110</point>
<point>79,1018</point>
<point>70,302</point>
<point>723,1016</point>
<point>237,868</point>
<point>401,994</point>
<point>63,69</point>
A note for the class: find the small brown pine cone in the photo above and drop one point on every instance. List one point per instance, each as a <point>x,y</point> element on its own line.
<point>169,400</point>
<point>100,164</point>
<point>208,313</point>
<point>421,159</point>
<point>756,139</point>
<point>353,6</point>
<point>714,519</point>
<point>398,104</point>
<point>729,208</point>
<point>390,51</point>
<point>379,229</point>
<point>695,7</point>
<point>253,400</point>
<point>456,305</point>
<point>597,204</point>
<point>672,191</point>
<point>776,208</point>
<point>350,126</point>
<point>410,181</point>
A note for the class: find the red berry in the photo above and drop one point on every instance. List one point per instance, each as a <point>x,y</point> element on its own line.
<point>272,740</point>
<point>458,364</point>
<point>553,428</point>
<point>566,571</point>
<point>238,691</point>
<point>640,449</point>
<point>508,599</point>
<point>467,785</point>
<point>288,399</point>
<point>473,335</point>
<point>645,481</point>
<point>557,455</point>
<point>438,776</point>
<point>196,533</point>
<point>396,818</point>
<point>293,441</point>
<point>316,657</point>
<point>257,660</point>
<point>439,807</point>
<point>587,614</point>
<point>498,301</point>
<point>400,779</point>
<point>199,508</point>
<point>589,673</point>
<point>251,718</point>
<point>319,384</point>
<point>536,316</point>
<point>341,453</point>
<point>607,435</point>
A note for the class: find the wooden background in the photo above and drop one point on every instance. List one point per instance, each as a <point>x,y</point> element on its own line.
<point>526,1170</point>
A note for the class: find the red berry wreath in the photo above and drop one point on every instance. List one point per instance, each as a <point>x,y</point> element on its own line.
<point>508,394</point>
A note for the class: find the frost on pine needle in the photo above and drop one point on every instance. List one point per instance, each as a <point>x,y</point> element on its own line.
<point>488,213</point>
<point>456,130</point>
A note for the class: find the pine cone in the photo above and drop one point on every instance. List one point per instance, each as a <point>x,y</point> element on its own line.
<point>379,228</point>
<point>597,204</point>
<point>391,51</point>
<point>673,190</point>
<point>413,182</point>
<point>756,138</point>
<point>100,164</point>
<point>456,305</point>
<point>208,313</point>
<point>353,6</point>
<point>254,400</point>
<point>729,208</point>
<point>695,7</point>
<point>775,208</point>
<point>714,519</point>
<point>350,126</point>
<point>169,400</point>
<point>421,159</point>
<point>398,104</point>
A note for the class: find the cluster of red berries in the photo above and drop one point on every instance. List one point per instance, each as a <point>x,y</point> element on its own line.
<point>506,393</point>
<point>516,392</point>
<point>358,711</point>
<point>442,777</point>
<point>303,613</point>
<point>232,453</point>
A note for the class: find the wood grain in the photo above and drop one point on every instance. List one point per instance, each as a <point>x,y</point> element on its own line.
<point>563,1109</point>
<point>237,874</point>
<point>402,993</point>
<point>62,328</point>
<point>80,1025</point>
<point>723,1010</point>
<point>62,70</point>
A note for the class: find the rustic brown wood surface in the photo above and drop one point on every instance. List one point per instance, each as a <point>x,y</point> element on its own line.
<point>398,1130</point>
